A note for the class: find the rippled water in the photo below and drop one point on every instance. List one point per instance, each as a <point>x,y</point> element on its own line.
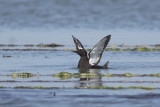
<point>33,22</point>
<point>104,14</point>
<point>54,21</point>
<point>48,62</point>
<point>70,98</point>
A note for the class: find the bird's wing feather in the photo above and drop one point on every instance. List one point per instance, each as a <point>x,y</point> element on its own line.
<point>96,53</point>
<point>79,46</point>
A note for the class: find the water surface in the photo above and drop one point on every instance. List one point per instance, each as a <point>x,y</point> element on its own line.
<point>48,62</point>
<point>55,21</point>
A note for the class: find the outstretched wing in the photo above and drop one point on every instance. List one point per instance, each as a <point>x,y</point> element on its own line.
<point>79,47</point>
<point>96,53</point>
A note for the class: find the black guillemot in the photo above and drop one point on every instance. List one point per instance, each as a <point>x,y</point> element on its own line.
<point>93,58</point>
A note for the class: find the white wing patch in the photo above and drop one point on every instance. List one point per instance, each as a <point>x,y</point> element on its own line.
<point>79,47</point>
<point>96,53</point>
<point>92,61</point>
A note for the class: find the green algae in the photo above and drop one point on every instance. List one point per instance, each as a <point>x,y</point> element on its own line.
<point>115,88</point>
<point>106,75</point>
<point>158,74</point>
<point>35,87</point>
<point>66,49</point>
<point>142,49</point>
<point>113,49</point>
<point>85,75</point>
<point>6,56</point>
<point>1,87</point>
<point>153,75</point>
<point>140,87</point>
<point>22,75</point>
<point>66,75</point>
<point>103,87</point>
<point>49,45</point>
<point>63,75</point>
<point>132,49</point>
<point>19,87</point>
<point>128,74</point>
<point>119,75</point>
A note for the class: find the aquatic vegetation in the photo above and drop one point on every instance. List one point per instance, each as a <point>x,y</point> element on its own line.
<point>29,49</point>
<point>63,75</point>
<point>31,45</point>
<point>8,45</point>
<point>106,75</point>
<point>133,49</point>
<point>113,49</point>
<point>151,74</point>
<point>128,74</point>
<point>103,87</point>
<point>140,87</point>
<point>158,75</point>
<point>130,49</point>
<point>66,49</point>
<point>66,75</point>
<point>19,87</point>
<point>156,45</point>
<point>142,49</point>
<point>22,75</point>
<point>84,75</point>
<point>4,56</point>
<point>49,45</point>
<point>115,88</point>
<point>119,75</point>
<point>35,87</point>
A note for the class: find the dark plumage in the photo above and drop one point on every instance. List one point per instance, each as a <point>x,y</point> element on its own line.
<point>94,55</point>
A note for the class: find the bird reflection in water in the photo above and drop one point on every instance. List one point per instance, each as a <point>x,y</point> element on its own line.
<point>90,81</point>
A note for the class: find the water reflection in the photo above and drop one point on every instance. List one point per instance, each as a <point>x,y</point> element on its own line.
<point>90,81</point>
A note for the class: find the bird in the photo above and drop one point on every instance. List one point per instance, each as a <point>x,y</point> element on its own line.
<point>91,60</point>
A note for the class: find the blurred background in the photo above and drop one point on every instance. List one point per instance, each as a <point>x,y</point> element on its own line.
<point>48,21</point>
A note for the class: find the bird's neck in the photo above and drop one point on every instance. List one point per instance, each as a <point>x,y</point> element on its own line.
<point>84,62</point>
